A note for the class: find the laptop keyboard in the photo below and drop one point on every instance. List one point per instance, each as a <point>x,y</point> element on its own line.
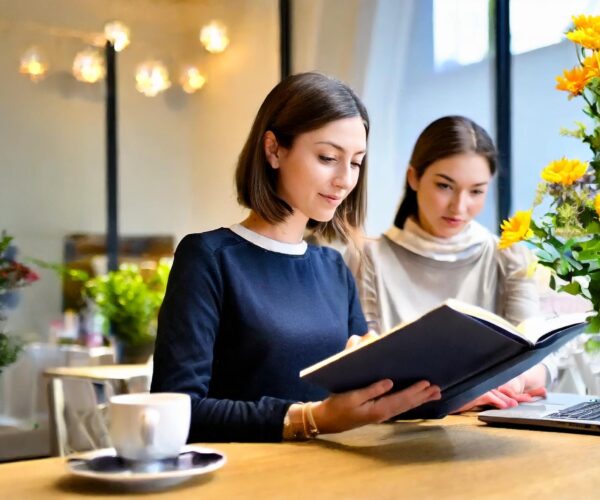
<point>589,410</point>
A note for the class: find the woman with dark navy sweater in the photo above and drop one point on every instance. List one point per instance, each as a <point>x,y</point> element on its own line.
<point>247,307</point>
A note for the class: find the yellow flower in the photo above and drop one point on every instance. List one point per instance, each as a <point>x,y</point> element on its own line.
<point>597,204</point>
<point>591,65</point>
<point>586,22</point>
<point>515,229</point>
<point>586,37</point>
<point>564,171</point>
<point>573,81</point>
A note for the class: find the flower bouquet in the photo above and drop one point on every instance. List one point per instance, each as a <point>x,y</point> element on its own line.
<point>13,275</point>
<point>567,237</point>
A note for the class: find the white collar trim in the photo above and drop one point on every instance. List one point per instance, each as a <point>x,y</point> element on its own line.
<point>268,243</point>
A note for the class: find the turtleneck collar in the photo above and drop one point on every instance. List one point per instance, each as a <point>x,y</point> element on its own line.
<point>458,247</point>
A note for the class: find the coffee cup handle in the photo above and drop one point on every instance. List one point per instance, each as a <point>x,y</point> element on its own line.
<point>148,421</point>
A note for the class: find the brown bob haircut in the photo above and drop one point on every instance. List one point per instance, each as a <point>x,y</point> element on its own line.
<point>445,137</point>
<point>298,104</point>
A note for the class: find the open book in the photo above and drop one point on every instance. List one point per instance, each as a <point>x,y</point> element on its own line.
<point>462,348</point>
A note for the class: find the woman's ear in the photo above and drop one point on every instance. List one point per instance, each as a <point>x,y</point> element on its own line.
<point>271,148</point>
<point>412,178</point>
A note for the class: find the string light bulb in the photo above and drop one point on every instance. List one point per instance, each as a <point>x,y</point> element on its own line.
<point>214,37</point>
<point>191,79</point>
<point>33,64</point>
<point>117,34</point>
<point>152,78</point>
<point>88,66</point>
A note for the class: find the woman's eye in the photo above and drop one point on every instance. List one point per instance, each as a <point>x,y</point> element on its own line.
<point>326,159</point>
<point>477,192</point>
<point>356,164</point>
<point>443,186</point>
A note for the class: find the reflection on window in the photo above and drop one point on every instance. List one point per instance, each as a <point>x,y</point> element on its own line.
<point>461,27</point>
<point>460,32</point>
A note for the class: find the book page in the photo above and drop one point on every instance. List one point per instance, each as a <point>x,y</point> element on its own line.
<point>534,328</point>
<point>483,314</point>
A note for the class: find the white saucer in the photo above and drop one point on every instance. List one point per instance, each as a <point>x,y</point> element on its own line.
<point>178,470</point>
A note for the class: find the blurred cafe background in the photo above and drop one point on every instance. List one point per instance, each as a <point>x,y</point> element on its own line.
<point>184,107</point>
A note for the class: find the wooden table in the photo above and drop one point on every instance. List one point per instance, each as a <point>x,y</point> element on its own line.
<point>126,378</point>
<point>457,457</point>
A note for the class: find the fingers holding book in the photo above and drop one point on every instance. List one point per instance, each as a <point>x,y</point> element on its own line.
<point>356,340</point>
<point>371,404</point>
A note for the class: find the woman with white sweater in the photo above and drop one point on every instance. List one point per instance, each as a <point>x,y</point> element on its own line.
<point>435,249</point>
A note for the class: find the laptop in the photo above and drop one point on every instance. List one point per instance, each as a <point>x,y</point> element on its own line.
<point>562,412</point>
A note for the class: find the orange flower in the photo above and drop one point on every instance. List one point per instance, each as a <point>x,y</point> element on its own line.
<point>586,37</point>
<point>591,64</point>
<point>573,81</point>
<point>515,229</point>
<point>564,171</point>
<point>597,204</point>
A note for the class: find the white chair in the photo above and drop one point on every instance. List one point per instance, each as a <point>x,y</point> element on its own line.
<point>24,418</point>
<point>78,399</point>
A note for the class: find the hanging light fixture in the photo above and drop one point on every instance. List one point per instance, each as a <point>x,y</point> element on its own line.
<point>152,78</point>
<point>88,66</point>
<point>117,34</point>
<point>33,64</point>
<point>191,79</point>
<point>214,37</point>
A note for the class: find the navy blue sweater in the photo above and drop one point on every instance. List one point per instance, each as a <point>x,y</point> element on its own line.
<point>239,322</point>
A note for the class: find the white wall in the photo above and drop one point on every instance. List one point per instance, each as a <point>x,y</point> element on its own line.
<point>177,152</point>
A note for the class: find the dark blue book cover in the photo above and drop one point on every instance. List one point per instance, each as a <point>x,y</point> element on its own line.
<point>463,353</point>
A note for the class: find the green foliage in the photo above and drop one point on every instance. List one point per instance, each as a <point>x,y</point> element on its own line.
<point>62,270</point>
<point>10,347</point>
<point>130,298</point>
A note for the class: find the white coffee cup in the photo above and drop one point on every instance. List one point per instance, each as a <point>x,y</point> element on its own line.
<point>149,426</point>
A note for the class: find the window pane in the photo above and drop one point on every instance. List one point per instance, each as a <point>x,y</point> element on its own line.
<point>530,31</point>
<point>453,44</point>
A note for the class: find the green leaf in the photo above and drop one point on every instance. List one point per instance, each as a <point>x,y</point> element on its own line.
<point>574,288</point>
<point>5,240</point>
<point>10,347</point>
<point>593,326</point>
<point>592,345</point>
<point>588,256</point>
<point>543,255</point>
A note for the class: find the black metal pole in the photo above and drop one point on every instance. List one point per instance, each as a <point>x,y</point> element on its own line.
<point>502,79</point>
<point>285,38</point>
<point>112,228</point>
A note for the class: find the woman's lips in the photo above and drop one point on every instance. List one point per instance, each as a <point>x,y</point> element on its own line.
<point>333,200</point>
<point>452,221</point>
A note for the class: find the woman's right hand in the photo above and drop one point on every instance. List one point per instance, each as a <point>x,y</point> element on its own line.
<point>347,410</point>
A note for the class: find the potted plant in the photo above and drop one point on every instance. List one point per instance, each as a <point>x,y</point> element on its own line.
<point>13,275</point>
<point>129,299</point>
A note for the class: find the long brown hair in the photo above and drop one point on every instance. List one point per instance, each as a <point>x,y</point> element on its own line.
<point>445,137</point>
<point>298,104</point>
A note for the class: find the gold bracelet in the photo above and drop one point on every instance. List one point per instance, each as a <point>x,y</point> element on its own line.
<point>304,427</point>
<point>313,430</point>
<point>294,430</point>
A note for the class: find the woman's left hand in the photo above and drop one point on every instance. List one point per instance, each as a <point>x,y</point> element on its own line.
<point>355,340</point>
<point>522,389</point>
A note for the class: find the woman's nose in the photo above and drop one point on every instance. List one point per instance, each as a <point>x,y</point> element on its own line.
<point>344,176</point>
<point>460,202</point>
